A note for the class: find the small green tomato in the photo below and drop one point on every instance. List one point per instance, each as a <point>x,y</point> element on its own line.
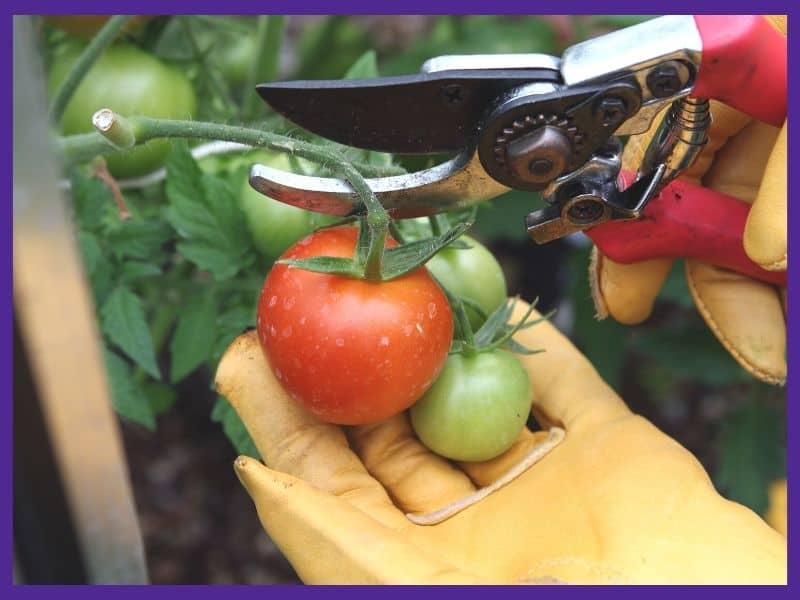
<point>477,407</point>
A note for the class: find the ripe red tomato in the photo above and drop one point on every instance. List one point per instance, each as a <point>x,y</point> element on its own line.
<point>352,351</point>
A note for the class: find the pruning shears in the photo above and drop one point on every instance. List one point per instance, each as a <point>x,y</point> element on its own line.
<point>551,125</point>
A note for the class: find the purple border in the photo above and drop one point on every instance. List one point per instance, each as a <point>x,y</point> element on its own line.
<point>372,7</point>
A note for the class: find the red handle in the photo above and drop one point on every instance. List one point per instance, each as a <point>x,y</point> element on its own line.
<point>685,220</point>
<point>743,65</point>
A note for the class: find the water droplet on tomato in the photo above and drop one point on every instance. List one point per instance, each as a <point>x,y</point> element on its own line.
<point>273,301</point>
<point>340,342</point>
<point>384,341</point>
<point>288,303</point>
<point>287,331</point>
<point>431,309</point>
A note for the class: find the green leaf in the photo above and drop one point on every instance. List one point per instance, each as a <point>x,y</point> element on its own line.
<point>126,395</point>
<point>139,239</point>
<point>194,336</point>
<point>751,447</point>
<point>230,324</point>
<point>90,251</point>
<point>92,202</point>
<point>123,321</point>
<point>204,211</point>
<point>133,270</point>
<point>160,396</point>
<point>404,259</point>
<point>233,427</point>
<point>366,67</point>
<point>99,269</point>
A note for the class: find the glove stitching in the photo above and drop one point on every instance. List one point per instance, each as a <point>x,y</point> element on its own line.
<point>595,266</point>
<point>759,372</point>
<point>533,456</point>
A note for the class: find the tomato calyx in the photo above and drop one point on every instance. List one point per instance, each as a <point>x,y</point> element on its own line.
<point>496,332</point>
<point>371,260</point>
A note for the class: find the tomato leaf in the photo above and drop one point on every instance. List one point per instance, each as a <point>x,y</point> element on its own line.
<point>233,427</point>
<point>92,202</point>
<point>98,267</point>
<point>160,396</point>
<point>404,259</point>
<point>194,336</point>
<point>365,67</point>
<point>139,238</point>
<point>127,397</point>
<point>751,453</point>
<point>230,324</point>
<point>134,270</point>
<point>123,321</point>
<point>204,211</point>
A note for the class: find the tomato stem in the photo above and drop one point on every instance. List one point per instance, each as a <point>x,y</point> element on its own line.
<point>116,128</point>
<point>90,54</point>
<point>83,147</point>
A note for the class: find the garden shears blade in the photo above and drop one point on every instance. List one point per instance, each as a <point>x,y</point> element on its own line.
<point>546,124</point>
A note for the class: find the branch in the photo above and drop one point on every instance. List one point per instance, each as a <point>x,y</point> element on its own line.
<point>83,147</point>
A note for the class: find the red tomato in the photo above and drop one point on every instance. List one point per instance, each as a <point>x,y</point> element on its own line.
<point>352,351</point>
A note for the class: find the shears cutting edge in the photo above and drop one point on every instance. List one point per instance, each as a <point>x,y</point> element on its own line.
<point>542,123</point>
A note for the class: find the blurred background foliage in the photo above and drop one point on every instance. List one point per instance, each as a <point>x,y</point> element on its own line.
<point>670,369</point>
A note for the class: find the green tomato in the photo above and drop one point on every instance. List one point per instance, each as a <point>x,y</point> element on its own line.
<point>472,273</point>
<point>131,82</point>
<point>236,58</point>
<point>477,407</point>
<point>275,226</point>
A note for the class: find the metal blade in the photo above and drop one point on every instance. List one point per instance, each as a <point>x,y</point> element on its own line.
<point>457,183</point>
<point>427,113</point>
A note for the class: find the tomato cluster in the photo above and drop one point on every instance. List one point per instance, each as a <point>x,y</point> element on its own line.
<point>354,351</point>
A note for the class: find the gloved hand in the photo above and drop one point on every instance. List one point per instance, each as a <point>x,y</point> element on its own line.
<point>745,159</point>
<point>617,501</point>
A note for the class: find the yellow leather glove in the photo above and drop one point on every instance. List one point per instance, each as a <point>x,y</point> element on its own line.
<point>745,159</point>
<point>617,501</point>
<point>776,512</point>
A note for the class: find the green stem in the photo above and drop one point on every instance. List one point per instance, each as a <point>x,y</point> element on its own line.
<point>267,61</point>
<point>90,54</point>
<point>83,147</point>
<point>434,223</point>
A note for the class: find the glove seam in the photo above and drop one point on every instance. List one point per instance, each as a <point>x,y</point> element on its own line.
<point>702,307</point>
<point>533,456</point>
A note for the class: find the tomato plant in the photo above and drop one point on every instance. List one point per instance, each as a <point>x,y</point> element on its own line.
<point>352,351</point>
<point>274,225</point>
<point>131,82</point>
<point>473,274</point>
<point>476,408</point>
